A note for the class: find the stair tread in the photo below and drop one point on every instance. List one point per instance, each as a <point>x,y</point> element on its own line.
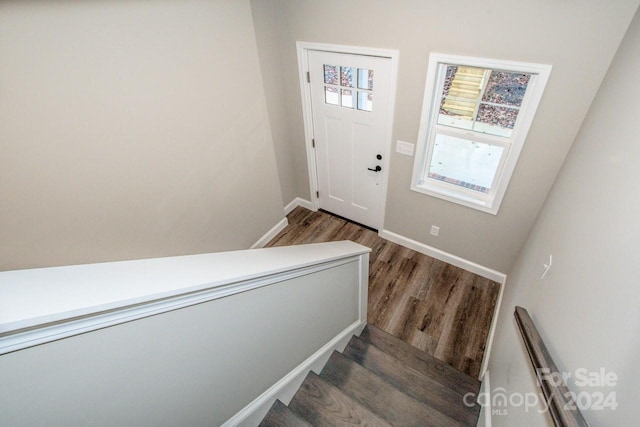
<point>472,92</point>
<point>280,415</point>
<point>421,361</point>
<point>414,383</point>
<point>323,404</point>
<point>364,386</point>
<point>449,106</point>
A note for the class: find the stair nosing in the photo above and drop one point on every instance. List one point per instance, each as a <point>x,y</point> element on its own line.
<point>436,413</point>
<point>312,376</point>
<point>300,421</point>
<point>446,399</point>
<point>473,384</point>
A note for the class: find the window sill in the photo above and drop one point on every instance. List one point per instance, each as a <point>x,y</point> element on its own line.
<point>481,204</point>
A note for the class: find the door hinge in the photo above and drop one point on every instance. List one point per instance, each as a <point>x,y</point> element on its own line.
<point>308,77</point>
<point>317,194</point>
<point>313,142</point>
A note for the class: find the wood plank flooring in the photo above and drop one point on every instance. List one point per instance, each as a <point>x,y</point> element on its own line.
<point>380,380</point>
<point>434,306</point>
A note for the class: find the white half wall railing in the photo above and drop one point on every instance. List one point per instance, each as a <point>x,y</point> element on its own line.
<point>209,339</point>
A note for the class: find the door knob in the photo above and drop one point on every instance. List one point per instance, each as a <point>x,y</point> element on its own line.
<point>379,157</point>
<point>377,169</point>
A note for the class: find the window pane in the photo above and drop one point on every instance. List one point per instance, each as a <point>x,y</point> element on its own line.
<point>331,95</point>
<point>346,76</point>
<point>495,120</point>
<point>464,163</point>
<point>365,101</point>
<point>482,100</point>
<point>460,96</point>
<point>365,79</point>
<point>331,74</point>
<point>506,88</point>
<point>347,98</point>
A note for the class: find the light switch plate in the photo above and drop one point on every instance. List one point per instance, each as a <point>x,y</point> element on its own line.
<point>405,148</point>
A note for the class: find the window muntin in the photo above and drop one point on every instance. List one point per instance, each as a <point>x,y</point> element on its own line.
<point>481,99</point>
<point>476,113</point>
<point>348,87</point>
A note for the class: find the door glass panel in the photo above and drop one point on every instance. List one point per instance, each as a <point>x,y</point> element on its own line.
<point>331,74</point>
<point>464,163</point>
<point>365,79</point>
<point>331,95</point>
<point>365,101</point>
<point>347,98</point>
<point>346,76</point>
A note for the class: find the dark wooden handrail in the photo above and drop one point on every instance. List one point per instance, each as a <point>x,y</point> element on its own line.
<point>562,408</point>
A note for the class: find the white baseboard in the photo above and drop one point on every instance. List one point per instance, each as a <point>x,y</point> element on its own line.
<point>286,388</point>
<point>298,201</point>
<point>270,234</point>
<point>484,420</point>
<point>492,331</point>
<point>444,256</point>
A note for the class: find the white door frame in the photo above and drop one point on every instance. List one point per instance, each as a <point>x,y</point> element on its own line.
<point>303,49</point>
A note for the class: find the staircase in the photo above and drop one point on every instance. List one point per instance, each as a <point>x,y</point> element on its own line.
<point>382,381</point>
<point>464,93</point>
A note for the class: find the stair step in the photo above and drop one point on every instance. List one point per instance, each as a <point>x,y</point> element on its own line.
<point>466,84</point>
<point>461,103</point>
<point>364,386</point>
<point>458,107</point>
<point>414,383</point>
<point>281,416</point>
<point>470,71</point>
<point>421,361</point>
<point>467,93</point>
<point>323,404</point>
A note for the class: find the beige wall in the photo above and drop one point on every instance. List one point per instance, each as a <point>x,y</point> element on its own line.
<point>578,38</point>
<point>266,28</point>
<point>131,129</point>
<point>586,308</point>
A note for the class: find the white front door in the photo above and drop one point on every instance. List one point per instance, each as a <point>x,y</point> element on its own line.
<point>350,96</point>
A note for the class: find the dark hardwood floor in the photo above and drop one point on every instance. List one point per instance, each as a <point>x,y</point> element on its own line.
<point>380,380</point>
<point>434,306</point>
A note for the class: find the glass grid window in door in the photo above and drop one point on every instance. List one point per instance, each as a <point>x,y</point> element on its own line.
<point>348,87</point>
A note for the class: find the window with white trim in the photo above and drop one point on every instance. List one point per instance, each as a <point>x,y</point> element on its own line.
<point>475,117</point>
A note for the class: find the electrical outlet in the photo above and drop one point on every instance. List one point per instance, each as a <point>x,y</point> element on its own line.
<point>435,230</point>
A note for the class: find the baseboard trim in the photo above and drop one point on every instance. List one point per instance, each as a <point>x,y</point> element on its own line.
<point>298,201</point>
<point>492,331</point>
<point>444,256</point>
<point>270,234</point>
<point>484,398</point>
<point>286,388</point>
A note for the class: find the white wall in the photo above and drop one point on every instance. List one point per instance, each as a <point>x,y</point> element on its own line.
<point>196,366</point>
<point>578,38</point>
<point>587,306</point>
<point>131,129</point>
